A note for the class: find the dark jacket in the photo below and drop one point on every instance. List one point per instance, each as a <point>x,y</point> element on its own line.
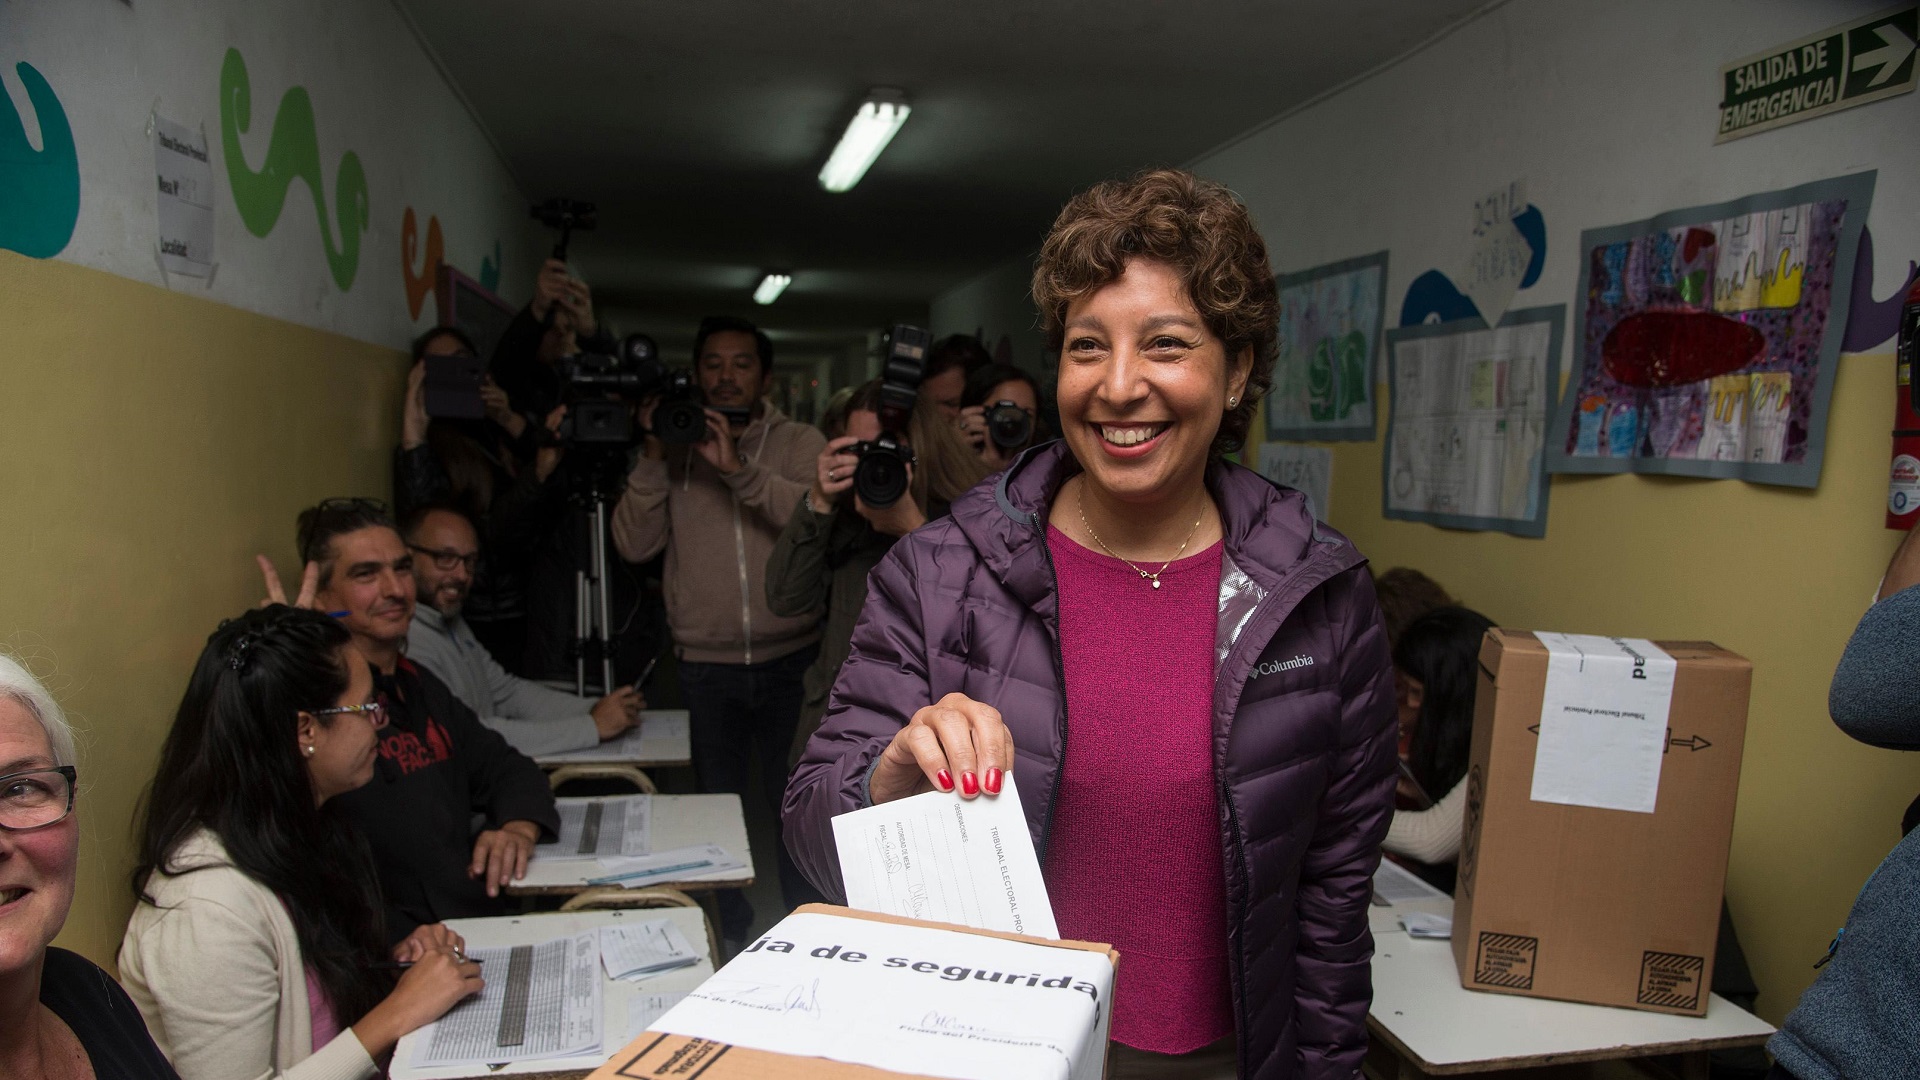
<point>822,560</point>
<point>1304,755</point>
<point>1861,1018</point>
<point>438,768</point>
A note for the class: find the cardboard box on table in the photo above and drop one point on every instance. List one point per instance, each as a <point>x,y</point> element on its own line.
<point>1611,907</point>
<point>655,1054</point>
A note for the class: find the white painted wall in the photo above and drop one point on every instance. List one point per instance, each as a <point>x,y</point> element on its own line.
<point>375,92</point>
<point>996,305</point>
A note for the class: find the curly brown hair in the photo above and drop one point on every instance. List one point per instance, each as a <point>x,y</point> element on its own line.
<point>1195,226</point>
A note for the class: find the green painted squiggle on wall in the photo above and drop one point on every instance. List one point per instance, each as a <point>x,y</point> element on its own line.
<point>293,153</point>
<point>39,189</point>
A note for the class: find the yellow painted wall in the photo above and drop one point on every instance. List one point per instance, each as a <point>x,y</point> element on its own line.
<point>151,443</point>
<point>1779,575</point>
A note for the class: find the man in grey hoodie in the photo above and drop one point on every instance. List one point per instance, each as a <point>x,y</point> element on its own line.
<point>1860,1020</point>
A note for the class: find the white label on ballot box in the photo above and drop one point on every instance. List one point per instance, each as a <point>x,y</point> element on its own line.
<point>908,998</point>
<point>1603,722</point>
<point>946,859</point>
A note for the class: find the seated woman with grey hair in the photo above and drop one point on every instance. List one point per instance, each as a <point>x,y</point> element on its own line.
<point>60,1016</point>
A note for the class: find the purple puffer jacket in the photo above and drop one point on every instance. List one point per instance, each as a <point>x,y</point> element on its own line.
<point>1304,733</point>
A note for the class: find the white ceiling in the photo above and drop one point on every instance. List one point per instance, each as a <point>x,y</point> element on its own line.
<point>698,127</point>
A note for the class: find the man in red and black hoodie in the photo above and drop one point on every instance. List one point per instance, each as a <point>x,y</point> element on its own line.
<point>439,767</point>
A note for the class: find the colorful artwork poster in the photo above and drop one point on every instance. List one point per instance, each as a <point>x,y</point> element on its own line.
<point>1467,421</point>
<point>1709,337</point>
<point>1330,320</point>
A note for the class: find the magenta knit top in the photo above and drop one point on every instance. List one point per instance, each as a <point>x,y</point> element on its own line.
<point>1134,854</point>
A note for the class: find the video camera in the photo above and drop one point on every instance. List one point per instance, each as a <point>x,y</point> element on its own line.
<point>881,476</point>
<point>601,389</point>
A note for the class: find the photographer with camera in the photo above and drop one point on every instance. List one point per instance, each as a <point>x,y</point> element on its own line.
<point>494,469</point>
<point>949,362</point>
<point>1000,414</point>
<point>558,322</point>
<point>715,507</point>
<point>836,536</point>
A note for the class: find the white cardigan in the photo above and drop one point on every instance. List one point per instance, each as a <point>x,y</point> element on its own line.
<point>1431,836</point>
<point>215,969</point>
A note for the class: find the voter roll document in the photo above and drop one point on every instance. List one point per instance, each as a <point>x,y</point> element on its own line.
<point>946,859</point>
<point>913,999</point>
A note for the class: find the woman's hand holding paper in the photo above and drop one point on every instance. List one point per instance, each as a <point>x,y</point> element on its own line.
<point>956,743</point>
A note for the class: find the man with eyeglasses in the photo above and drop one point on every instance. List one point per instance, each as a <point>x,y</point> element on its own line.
<point>535,719</point>
<point>439,766</point>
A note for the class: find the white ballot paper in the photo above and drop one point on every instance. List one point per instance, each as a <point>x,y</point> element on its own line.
<point>912,999</point>
<point>671,865</point>
<point>946,859</point>
<point>634,951</point>
<point>1603,722</point>
<point>659,731</point>
<point>541,1001</point>
<point>598,827</point>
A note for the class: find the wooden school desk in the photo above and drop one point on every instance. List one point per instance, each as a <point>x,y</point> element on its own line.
<point>1423,1023</point>
<point>678,821</point>
<point>615,994</point>
<point>660,740</point>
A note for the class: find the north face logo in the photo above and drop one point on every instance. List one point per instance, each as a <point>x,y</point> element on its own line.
<point>1275,667</point>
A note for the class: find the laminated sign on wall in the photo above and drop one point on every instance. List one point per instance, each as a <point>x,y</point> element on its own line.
<point>185,199</point>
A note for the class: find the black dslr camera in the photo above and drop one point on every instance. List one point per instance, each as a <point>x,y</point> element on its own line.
<point>881,477</point>
<point>1008,425</point>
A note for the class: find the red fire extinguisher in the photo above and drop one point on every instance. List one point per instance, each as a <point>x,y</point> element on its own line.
<point>1903,480</point>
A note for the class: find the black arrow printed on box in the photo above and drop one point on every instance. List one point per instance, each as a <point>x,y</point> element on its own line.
<point>1691,742</point>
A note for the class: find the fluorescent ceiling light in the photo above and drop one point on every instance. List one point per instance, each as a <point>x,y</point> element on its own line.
<point>771,287</point>
<point>872,128</point>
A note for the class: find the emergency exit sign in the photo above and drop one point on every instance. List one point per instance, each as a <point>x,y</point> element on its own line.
<point>1851,64</point>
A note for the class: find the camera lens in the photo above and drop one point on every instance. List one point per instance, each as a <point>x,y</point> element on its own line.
<point>881,477</point>
<point>1009,426</point>
<point>680,421</point>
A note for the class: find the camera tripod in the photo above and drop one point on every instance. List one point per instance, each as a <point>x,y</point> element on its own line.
<point>593,630</point>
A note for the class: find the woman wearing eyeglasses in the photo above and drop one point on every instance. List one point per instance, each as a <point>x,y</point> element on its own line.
<point>61,1018</point>
<point>256,948</point>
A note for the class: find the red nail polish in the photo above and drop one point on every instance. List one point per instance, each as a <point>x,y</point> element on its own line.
<point>944,779</point>
<point>992,782</point>
<point>969,785</point>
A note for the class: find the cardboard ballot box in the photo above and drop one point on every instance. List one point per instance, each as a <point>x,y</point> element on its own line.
<point>836,994</point>
<point>1599,813</point>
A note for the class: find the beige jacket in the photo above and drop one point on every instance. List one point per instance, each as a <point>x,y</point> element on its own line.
<point>215,969</point>
<point>717,532</point>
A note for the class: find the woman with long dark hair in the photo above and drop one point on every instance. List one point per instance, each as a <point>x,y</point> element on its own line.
<point>256,947</point>
<point>1436,668</point>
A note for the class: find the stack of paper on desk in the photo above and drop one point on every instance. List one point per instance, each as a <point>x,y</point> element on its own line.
<point>940,857</point>
<point>540,1001</point>
<point>637,950</point>
<point>600,827</point>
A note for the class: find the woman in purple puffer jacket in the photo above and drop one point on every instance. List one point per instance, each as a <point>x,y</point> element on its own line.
<point>1186,670</point>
